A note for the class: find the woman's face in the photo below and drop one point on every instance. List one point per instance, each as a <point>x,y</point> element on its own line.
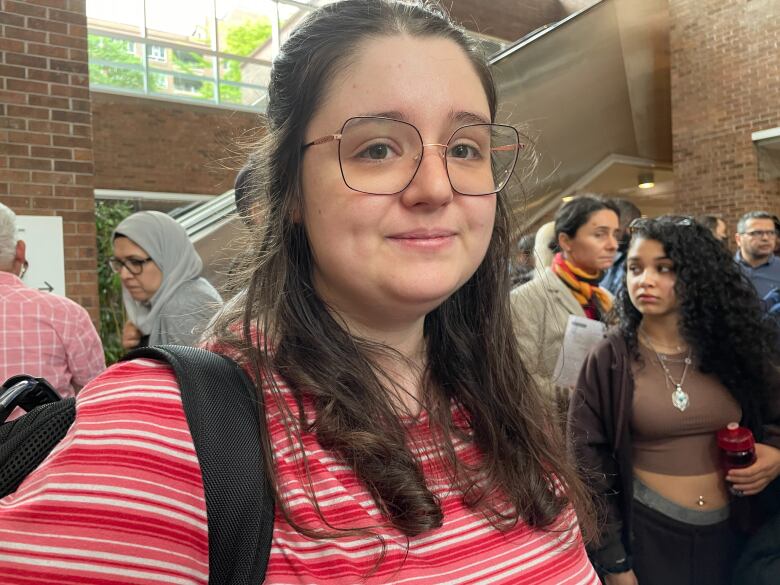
<point>386,258</point>
<point>650,278</point>
<point>140,286</point>
<point>595,244</point>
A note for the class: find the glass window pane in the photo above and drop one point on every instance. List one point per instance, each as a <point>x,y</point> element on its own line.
<point>244,27</point>
<point>186,22</point>
<point>181,72</point>
<point>122,17</point>
<point>115,63</point>
<point>243,83</point>
<point>290,16</point>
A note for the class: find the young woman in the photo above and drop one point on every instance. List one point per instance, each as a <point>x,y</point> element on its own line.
<point>403,436</point>
<point>166,299</point>
<point>692,354</point>
<point>586,240</point>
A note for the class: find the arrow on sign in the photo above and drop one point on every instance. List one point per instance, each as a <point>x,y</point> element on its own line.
<point>48,287</point>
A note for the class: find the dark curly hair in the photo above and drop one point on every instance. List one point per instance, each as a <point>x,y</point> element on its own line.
<point>721,316</point>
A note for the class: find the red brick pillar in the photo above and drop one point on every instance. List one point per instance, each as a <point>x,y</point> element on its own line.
<point>46,128</point>
<point>725,85</point>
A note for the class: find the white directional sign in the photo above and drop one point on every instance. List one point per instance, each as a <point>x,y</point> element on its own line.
<point>45,252</point>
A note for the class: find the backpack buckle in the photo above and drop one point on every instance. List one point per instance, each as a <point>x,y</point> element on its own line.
<point>25,392</point>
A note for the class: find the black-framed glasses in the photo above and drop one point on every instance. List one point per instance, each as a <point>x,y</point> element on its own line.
<point>381,156</point>
<point>641,223</point>
<point>760,233</point>
<point>135,266</point>
<point>24,269</point>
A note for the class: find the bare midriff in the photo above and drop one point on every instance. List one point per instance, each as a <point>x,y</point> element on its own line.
<point>688,490</point>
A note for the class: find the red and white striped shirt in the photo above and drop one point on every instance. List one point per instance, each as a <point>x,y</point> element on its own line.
<point>46,336</point>
<point>121,500</point>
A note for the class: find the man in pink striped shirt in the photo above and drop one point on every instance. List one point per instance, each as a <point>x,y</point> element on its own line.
<point>41,334</point>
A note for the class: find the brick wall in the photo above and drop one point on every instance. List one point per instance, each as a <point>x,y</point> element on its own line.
<point>154,145</point>
<point>725,85</point>
<point>45,128</point>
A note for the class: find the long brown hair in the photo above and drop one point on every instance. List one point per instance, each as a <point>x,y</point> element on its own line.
<point>473,360</point>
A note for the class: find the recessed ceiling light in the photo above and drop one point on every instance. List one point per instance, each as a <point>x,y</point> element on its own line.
<point>646,180</point>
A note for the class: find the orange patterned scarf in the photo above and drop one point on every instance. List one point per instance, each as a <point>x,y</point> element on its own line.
<point>583,286</point>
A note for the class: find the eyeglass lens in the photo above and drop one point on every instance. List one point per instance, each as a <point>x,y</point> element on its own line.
<point>761,233</point>
<point>133,266</point>
<point>381,156</point>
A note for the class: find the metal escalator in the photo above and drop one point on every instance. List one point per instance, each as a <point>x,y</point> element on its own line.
<point>214,228</point>
<point>593,88</point>
<point>594,92</point>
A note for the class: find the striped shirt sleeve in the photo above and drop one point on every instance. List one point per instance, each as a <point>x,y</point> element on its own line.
<point>120,499</point>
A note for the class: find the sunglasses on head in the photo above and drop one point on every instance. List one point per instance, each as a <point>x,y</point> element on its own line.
<point>641,223</point>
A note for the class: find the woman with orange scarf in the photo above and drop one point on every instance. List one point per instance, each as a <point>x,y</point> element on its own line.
<point>586,241</point>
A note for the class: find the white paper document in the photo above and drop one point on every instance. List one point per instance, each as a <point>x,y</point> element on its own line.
<point>579,338</point>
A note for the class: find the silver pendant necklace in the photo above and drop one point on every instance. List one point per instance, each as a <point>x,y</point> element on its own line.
<point>680,398</point>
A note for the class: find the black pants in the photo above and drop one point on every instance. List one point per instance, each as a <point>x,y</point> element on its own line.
<point>669,552</point>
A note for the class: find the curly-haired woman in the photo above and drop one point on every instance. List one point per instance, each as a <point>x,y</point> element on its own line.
<point>691,354</point>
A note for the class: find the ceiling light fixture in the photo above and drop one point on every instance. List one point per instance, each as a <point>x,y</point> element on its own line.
<point>646,180</point>
<point>567,198</point>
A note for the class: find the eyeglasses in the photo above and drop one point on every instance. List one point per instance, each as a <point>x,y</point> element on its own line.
<point>641,223</point>
<point>760,233</point>
<point>24,269</point>
<point>381,156</point>
<point>134,266</point>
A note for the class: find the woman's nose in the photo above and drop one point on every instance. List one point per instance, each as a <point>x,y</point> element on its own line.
<point>431,183</point>
<point>647,278</point>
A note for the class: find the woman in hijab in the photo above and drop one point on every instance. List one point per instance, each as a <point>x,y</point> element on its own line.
<point>165,298</point>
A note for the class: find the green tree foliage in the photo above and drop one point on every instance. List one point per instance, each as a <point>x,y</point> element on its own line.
<point>112,314</point>
<point>246,38</point>
<point>243,40</point>
<point>113,51</point>
<point>108,50</point>
<point>195,64</point>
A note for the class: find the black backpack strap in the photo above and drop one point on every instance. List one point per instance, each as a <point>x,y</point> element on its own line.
<point>28,440</point>
<point>221,405</point>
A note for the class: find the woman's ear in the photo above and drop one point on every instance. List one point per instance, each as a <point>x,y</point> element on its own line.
<point>564,242</point>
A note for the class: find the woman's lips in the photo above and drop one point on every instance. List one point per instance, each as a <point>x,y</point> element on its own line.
<point>424,239</point>
<point>647,298</point>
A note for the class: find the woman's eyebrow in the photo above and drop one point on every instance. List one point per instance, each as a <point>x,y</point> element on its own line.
<point>461,117</point>
<point>636,258</point>
<point>394,114</point>
<point>468,118</point>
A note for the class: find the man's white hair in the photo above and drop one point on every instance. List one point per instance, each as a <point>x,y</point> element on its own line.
<point>8,237</point>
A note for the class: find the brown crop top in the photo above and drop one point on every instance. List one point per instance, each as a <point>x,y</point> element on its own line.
<point>666,440</point>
